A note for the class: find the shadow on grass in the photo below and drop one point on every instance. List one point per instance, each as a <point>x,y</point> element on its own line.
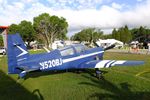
<point>114,92</point>
<point>37,91</point>
<point>11,90</point>
<point>92,72</point>
<point>40,73</point>
<point>53,72</point>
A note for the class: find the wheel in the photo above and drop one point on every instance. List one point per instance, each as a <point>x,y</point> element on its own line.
<point>3,53</point>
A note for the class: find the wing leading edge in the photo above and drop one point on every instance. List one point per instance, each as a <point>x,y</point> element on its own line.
<point>110,63</point>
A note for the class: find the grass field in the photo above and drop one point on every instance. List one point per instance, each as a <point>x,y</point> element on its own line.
<point>119,83</point>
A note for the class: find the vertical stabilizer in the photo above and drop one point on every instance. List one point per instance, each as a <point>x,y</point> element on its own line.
<point>16,52</point>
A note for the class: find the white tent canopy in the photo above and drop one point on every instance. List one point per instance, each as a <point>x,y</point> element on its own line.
<point>109,42</point>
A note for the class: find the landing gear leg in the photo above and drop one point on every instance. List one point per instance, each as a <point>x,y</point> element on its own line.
<point>98,74</point>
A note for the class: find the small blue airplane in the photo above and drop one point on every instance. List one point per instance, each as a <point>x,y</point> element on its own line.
<point>70,57</point>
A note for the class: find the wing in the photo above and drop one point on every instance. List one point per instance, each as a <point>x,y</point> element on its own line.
<point>109,63</point>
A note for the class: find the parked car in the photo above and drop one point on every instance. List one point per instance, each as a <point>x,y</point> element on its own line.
<point>2,51</point>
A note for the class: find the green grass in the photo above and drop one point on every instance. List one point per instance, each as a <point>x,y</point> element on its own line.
<point>119,83</point>
<point>37,51</point>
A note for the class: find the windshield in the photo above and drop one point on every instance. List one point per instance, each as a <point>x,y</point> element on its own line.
<point>80,48</point>
<point>66,51</point>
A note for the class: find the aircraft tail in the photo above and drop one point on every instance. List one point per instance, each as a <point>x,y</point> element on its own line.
<point>16,52</point>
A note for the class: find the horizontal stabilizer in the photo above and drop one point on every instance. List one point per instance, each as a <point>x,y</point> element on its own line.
<point>110,63</point>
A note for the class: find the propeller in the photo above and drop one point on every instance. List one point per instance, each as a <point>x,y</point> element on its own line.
<point>107,48</point>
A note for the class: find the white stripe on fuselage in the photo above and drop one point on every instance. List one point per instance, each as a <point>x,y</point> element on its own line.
<point>80,57</point>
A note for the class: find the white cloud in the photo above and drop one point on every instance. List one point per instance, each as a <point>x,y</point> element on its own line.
<point>29,1</point>
<point>18,5</point>
<point>2,3</point>
<point>139,0</point>
<point>76,4</point>
<point>107,17</point>
<point>117,6</point>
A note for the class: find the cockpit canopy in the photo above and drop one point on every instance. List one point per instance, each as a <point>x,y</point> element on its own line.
<point>72,49</point>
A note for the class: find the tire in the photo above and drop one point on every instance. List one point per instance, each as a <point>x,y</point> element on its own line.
<point>3,53</point>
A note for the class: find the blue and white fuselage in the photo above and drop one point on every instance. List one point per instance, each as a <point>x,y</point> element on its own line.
<point>65,58</point>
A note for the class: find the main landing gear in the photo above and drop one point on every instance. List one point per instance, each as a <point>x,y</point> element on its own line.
<point>98,74</point>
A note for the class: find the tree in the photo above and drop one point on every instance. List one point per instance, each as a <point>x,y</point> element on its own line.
<point>50,27</point>
<point>141,34</point>
<point>118,35</point>
<point>123,34</point>
<point>80,36</point>
<point>128,35</point>
<point>107,36</point>
<point>26,30</point>
<point>1,41</point>
<point>96,34</point>
<point>89,35</point>
<point>1,38</point>
<point>114,32</point>
<point>13,28</point>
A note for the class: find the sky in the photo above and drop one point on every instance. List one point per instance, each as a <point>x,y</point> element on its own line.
<point>80,14</point>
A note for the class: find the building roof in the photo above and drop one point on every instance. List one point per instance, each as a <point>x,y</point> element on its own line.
<point>4,27</point>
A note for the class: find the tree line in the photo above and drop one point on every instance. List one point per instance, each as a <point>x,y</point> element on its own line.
<point>45,29</point>
<point>124,34</point>
<point>89,35</point>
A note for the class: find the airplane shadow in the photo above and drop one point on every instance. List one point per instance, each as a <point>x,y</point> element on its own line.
<point>77,71</point>
<point>53,72</point>
<point>12,90</point>
<point>36,74</point>
<point>113,91</point>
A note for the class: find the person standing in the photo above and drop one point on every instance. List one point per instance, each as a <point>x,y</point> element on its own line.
<point>148,48</point>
